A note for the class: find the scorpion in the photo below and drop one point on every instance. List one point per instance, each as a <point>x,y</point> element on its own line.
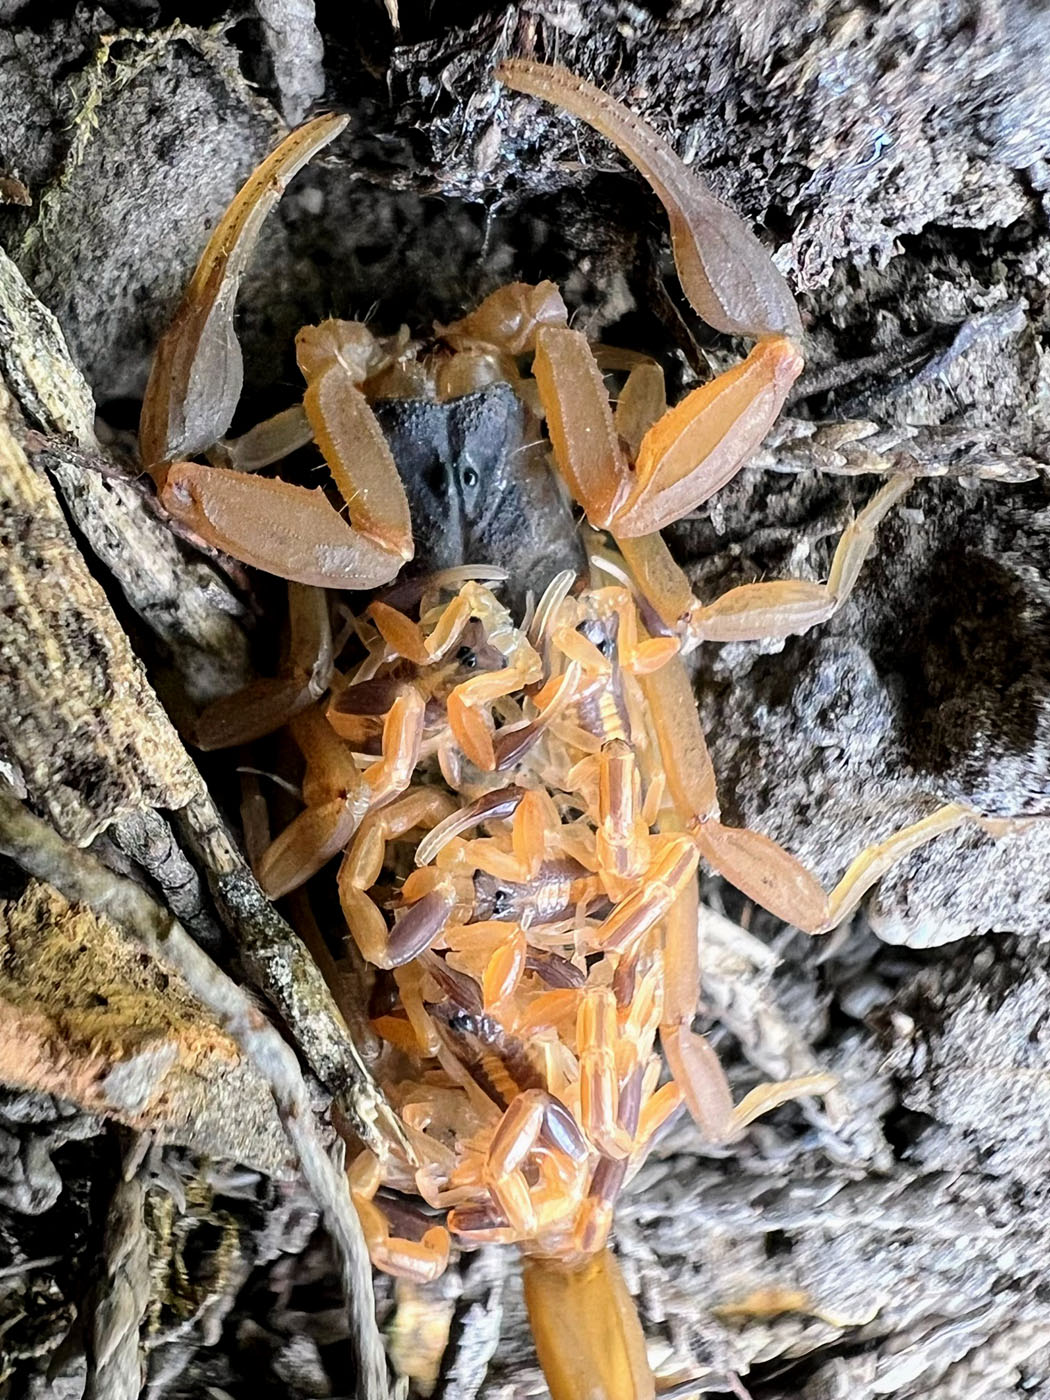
<point>520,799</point>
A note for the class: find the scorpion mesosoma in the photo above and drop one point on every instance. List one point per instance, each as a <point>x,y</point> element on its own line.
<point>521,804</point>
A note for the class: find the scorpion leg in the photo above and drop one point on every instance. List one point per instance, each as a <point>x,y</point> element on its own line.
<point>694,1065</point>
<point>642,402</point>
<point>336,799</point>
<point>402,740</point>
<point>407,637</point>
<point>363,863</point>
<point>672,864</point>
<point>686,762</point>
<point>423,1260</point>
<point>622,839</point>
<point>777,880</point>
<point>756,865</point>
<point>266,443</point>
<point>265,705</point>
<point>337,796</point>
<point>468,715</point>
<point>597,1038</point>
<point>757,611</point>
<point>533,1119</point>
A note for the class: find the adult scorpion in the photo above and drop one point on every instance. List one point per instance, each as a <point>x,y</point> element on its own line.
<point>520,802</point>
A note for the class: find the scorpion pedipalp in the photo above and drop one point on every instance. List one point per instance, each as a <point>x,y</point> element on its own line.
<point>724,270</point>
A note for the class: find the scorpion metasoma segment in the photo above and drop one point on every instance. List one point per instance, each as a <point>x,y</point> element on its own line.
<point>520,801</point>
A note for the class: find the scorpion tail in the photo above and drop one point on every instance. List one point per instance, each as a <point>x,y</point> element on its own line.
<point>588,1336</point>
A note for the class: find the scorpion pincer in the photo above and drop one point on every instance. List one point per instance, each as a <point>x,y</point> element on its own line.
<point>520,800</point>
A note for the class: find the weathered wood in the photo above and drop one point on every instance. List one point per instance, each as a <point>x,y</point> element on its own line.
<point>78,715</point>
<point>86,1016</point>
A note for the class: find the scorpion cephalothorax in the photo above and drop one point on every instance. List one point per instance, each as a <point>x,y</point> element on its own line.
<point>520,800</point>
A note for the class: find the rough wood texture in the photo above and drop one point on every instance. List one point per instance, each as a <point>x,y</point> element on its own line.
<point>84,1015</point>
<point>78,716</point>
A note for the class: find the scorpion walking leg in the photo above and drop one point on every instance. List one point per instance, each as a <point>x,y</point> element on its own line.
<point>536,1120</point>
<point>642,402</point>
<point>779,882</point>
<point>336,799</point>
<point>267,704</point>
<point>402,740</point>
<point>423,1260</point>
<point>266,443</point>
<point>757,611</point>
<point>756,865</point>
<point>363,863</point>
<point>337,796</point>
<point>696,1068</point>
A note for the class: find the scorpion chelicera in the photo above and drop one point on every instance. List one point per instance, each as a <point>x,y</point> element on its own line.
<point>521,799</point>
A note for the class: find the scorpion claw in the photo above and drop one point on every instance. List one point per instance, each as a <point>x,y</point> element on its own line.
<point>723,268</point>
<point>285,530</point>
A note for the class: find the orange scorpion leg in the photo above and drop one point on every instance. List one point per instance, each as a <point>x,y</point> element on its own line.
<point>266,704</point>
<point>419,807</point>
<point>336,794</point>
<point>422,1260</point>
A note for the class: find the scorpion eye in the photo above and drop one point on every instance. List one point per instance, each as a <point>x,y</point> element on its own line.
<point>501,901</point>
<point>467,658</point>
<point>470,478</point>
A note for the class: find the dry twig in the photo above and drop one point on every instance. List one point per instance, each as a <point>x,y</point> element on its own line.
<point>114,1361</point>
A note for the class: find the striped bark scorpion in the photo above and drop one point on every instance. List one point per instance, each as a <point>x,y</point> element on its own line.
<point>537,790</point>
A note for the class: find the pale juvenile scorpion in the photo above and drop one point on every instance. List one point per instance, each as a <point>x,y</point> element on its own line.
<point>520,795</point>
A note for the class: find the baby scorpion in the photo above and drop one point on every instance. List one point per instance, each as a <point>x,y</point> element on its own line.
<point>536,789</point>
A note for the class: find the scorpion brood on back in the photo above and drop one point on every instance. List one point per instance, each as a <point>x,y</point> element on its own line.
<point>521,802</point>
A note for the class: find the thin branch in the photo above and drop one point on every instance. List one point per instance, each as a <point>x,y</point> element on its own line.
<point>278,963</point>
<point>115,1361</point>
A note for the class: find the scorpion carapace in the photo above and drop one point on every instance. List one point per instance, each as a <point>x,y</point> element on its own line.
<point>520,794</point>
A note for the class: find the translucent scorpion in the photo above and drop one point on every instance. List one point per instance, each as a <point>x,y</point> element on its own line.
<point>520,804</point>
